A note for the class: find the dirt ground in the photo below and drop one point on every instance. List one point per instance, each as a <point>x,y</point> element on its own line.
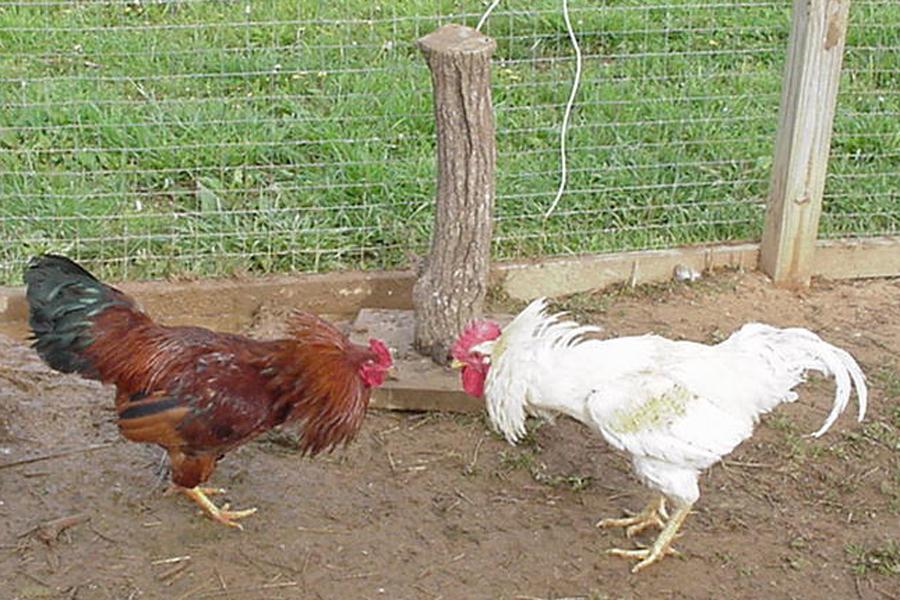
<point>435,506</point>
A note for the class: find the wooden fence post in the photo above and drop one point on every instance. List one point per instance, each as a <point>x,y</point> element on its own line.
<point>453,283</point>
<point>808,98</point>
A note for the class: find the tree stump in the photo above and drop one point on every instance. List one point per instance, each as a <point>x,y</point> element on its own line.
<point>453,282</point>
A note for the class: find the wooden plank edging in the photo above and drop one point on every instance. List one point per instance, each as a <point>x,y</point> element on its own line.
<point>230,304</point>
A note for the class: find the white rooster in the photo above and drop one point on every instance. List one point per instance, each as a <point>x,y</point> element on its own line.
<point>675,407</point>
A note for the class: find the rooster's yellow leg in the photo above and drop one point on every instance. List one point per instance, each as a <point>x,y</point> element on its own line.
<point>652,516</point>
<point>210,491</point>
<point>222,515</point>
<point>174,488</point>
<point>662,545</point>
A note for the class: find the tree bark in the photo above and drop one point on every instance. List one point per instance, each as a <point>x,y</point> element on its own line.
<point>453,283</point>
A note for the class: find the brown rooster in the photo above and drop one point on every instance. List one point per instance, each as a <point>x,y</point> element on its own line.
<point>195,392</point>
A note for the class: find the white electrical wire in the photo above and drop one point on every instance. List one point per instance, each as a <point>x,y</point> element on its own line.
<point>576,81</point>
<point>568,113</point>
<point>486,14</point>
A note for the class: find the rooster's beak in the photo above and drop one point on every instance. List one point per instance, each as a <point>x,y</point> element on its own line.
<point>457,364</point>
<point>391,374</point>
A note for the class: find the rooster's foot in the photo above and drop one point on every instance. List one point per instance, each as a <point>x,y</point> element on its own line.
<point>652,515</point>
<point>223,515</point>
<point>647,556</point>
<point>662,546</point>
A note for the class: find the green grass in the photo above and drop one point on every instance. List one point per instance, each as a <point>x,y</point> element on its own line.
<point>192,138</point>
<point>884,559</point>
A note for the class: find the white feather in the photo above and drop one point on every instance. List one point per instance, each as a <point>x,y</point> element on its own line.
<point>676,407</point>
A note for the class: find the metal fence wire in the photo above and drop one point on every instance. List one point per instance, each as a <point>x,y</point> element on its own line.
<point>196,137</point>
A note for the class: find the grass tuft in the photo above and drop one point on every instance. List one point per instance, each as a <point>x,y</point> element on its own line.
<point>884,559</point>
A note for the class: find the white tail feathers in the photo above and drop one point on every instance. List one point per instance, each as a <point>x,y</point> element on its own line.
<point>802,350</point>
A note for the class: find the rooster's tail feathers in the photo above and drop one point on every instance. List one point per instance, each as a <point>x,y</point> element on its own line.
<point>800,349</point>
<point>845,370</point>
<point>62,300</point>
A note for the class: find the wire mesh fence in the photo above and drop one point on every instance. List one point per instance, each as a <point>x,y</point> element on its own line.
<point>199,137</point>
<point>861,192</point>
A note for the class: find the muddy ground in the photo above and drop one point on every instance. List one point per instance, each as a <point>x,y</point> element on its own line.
<point>435,506</point>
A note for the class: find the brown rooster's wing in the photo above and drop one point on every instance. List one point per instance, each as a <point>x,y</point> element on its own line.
<point>212,404</point>
<point>218,404</point>
<point>205,393</point>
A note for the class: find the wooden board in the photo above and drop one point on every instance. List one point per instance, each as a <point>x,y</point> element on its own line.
<point>230,304</point>
<point>808,98</point>
<point>562,276</point>
<point>857,259</point>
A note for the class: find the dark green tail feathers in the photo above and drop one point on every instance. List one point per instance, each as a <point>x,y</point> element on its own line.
<point>62,300</point>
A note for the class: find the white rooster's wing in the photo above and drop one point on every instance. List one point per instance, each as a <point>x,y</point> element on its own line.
<point>670,429</point>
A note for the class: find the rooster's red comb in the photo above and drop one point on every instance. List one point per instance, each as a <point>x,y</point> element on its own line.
<point>477,331</point>
<point>383,355</point>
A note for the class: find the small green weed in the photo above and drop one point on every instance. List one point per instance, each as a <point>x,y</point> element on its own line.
<point>884,559</point>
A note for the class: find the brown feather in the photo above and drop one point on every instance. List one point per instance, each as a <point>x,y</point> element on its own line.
<point>317,378</point>
<point>159,427</point>
<point>191,470</point>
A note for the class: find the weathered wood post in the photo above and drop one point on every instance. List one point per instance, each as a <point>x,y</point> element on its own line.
<point>808,98</point>
<point>453,282</point>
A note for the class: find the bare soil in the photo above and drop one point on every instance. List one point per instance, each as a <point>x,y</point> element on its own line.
<point>436,506</point>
